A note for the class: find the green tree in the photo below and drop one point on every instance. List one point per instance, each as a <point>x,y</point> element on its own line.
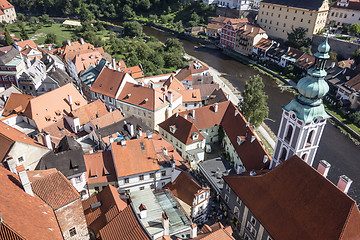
<point>132,29</point>
<point>355,117</point>
<point>333,55</point>
<point>254,107</point>
<point>355,29</point>
<point>297,38</point>
<point>345,28</point>
<point>50,38</point>
<point>23,32</point>
<point>86,14</point>
<point>356,56</point>
<point>20,17</point>
<point>8,38</point>
<point>127,12</point>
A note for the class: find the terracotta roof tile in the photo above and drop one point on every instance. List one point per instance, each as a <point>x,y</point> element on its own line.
<point>135,72</point>
<point>306,61</point>
<point>5,4</point>
<point>299,194</point>
<point>16,103</point>
<point>110,201</point>
<point>49,103</point>
<point>69,52</point>
<point>27,215</point>
<point>215,232</point>
<point>29,43</point>
<point>354,83</point>
<point>108,82</point>
<point>174,84</point>
<point>10,135</point>
<point>190,95</point>
<point>54,189</point>
<point>124,226</point>
<point>263,44</point>
<point>184,187</point>
<point>185,74</point>
<point>90,111</point>
<point>213,26</point>
<point>84,60</point>
<point>145,97</point>
<point>108,119</point>
<point>100,167</point>
<point>7,233</point>
<point>250,30</point>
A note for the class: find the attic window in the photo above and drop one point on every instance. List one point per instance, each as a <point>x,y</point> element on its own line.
<point>47,118</point>
<point>111,88</point>
<point>142,146</point>
<point>100,84</point>
<point>240,139</point>
<point>58,112</point>
<point>77,103</point>
<point>195,136</point>
<point>172,129</point>
<point>93,174</point>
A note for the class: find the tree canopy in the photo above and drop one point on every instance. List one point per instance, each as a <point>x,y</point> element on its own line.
<point>8,38</point>
<point>254,106</point>
<point>355,29</point>
<point>297,38</point>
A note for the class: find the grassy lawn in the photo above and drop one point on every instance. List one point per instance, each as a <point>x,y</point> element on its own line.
<point>62,33</point>
<point>339,115</point>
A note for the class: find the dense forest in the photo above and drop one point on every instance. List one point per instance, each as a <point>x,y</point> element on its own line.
<point>189,13</point>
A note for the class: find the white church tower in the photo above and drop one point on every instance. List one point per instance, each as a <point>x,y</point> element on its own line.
<point>304,118</point>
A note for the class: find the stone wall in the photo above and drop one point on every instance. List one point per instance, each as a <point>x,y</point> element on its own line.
<point>346,49</point>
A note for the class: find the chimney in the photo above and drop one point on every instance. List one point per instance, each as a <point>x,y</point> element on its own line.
<point>176,114</point>
<point>165,223</point>
<point>344,183</point>
<point>91,150</point>
<point>165,151</point>
<point>240,169</point>
<point>265,159</point>
<point>236,112</point>
<point>140,132</point>
<point>324,168</point>
<point>143,211</point>
<point>165,87</point>
<point>114,63</point>
<point>216,107</point>
<point>69,42</point>
<point>245,27</point>
<point>170,97</point>
<point>164,98</point>
<point>24,179</point>
<point>185,116</point>
<point>193,113</point>
<point>307,60</point>
<point>130,128</point>
<point>171,78</point>
<point>252,29</point>
<point>70,100</point>
<point>253,138</point>
<point>193,230</point>
<point>149,135</point>
<point>82,41</point>
<point>123,143</point>
<point>47,141</point>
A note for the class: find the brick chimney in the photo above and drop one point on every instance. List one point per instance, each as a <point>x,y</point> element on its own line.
<point>323,167</point>
<point>344,183</point>
<point>24,179</point>
<point>69,42</point>
<point>216,107</point>
<point>193,230</point>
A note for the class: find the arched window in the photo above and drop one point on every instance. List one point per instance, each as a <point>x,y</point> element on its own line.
<point>283,154</point>
<point>289,133</point>
<point>310,138</point>
<point>236,212</point>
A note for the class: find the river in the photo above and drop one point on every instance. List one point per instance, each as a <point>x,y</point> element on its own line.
<point>335,147</point>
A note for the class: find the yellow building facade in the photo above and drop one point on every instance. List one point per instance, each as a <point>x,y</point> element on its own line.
<point>278,18</point>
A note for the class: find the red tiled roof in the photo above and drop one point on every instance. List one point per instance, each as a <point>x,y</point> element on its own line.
<point>54,189</point>
<point>306,61</point>
<point>84,60</point>
<point>25,43</point>
<point>26,215</point>
<point>135,72</point>
<point>174,84</point>
<point>110,202</point>
<point>69,52</point>
<point>185,74</point>
<point>309,205</point>
<point>7,233</point>
<point>5,5</point>
<point>101,165</point>
<point>190,95</point>
<point>263,44</point>
<point>16,103</point>
<point>294,53</point>
<point>215,232</point>
<point>183,129</point>
<point>108,119</point>
<point>89,111</point>
<point>108,82</point>
<point>145,97</point>
<point>10,135</point>
<point>51,102</point>
<point>354,83</point>
<point>184,187</point>
<point>124,226</point>
<point>250,30</point>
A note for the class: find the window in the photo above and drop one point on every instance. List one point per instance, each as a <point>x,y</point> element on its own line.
<point>289,133</point>
<point>228,188</point>
<point>141,177</point>
<point>285,17</point>
<point>142,188</point>
<point>253,220</point>
<point>72,232</point>
<point>269,238</point>
<point>283,154</point>
<point>238,200</point>
<point>152,175</point>
<point>301,20</point>
<point>310,138</point>
<point>21,159</point>
<point>163,173</point>
<point>226,198</point>
<point>78,179</point>
<point>152,186</point>
<point>126,180</point>
<point>294,18</point>
<point>309,21</point>
<point>97,189</point>
<point>284,24</point>
<point>30,87</point>
<point>236,212</point>
<point>162,184</point>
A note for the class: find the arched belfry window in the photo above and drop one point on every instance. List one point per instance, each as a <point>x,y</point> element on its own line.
<point>310,138</point>
<point>289,133</point>
<point>283,154</point>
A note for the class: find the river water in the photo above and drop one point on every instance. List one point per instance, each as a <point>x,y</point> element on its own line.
<point>336,148</point>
